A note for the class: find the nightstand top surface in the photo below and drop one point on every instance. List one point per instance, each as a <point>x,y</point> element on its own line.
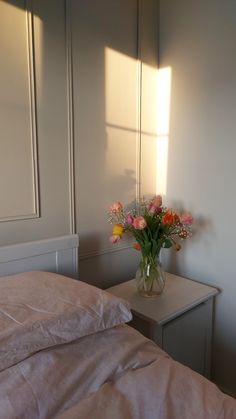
<point>179,295</point>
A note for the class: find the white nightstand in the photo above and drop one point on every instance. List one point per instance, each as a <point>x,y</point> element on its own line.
<point>179,320</point>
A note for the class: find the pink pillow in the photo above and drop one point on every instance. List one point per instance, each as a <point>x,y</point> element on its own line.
<point>42,309</point>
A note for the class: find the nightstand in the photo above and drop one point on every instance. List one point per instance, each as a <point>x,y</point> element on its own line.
<point>179,320</point>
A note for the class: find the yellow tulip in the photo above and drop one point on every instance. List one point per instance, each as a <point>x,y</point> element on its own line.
<point>118,230</point>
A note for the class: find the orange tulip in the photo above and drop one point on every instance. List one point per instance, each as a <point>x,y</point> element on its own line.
<point>170,217</point>
<point>137,246</point>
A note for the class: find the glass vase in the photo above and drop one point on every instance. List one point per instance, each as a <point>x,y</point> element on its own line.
<point>150,277</point>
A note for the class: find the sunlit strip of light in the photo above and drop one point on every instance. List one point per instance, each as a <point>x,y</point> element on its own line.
<point>163,124</point>
<point>161,164</point>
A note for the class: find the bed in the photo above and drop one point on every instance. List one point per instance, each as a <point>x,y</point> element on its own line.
<point>67,352</point>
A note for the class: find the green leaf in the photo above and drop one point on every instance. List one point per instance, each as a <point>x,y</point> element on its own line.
<point>146,248</point>
<point>145,235</point>
<point>167,244</point>
<point>154,247</point>
<point>156,233</point>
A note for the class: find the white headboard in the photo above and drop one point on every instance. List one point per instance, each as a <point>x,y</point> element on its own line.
<point>59,254</point>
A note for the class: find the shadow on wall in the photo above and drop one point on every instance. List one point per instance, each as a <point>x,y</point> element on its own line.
<point>174,261</point>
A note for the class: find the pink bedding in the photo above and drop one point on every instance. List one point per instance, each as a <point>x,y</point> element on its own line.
<point>116,373</point>
<point>43,309</point>
<point>104,370</point>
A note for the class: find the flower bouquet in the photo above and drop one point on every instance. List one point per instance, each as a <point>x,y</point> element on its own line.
<point>153,227</point>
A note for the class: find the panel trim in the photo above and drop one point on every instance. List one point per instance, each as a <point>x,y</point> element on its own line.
<point>70,115</point>
<point>97,253</point>
<point>33,110</point>
<point>139,103</point>
<point>33,118</point>
<point>58,254</point>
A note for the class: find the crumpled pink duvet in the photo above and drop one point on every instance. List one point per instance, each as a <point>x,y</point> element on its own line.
<point>112,374</point>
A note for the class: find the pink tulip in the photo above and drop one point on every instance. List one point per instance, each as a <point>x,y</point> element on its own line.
<point>116,207</point>
<point>130,219</point>
<point>157,201</point>
<point>186,218</point>
<point>152,208</point>
<point>155,204</point>
<point>139,223</point>
<point>114,238</point>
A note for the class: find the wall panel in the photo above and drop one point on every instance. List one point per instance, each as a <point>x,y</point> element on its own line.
<point>34,106</point>
<point>18,154</point>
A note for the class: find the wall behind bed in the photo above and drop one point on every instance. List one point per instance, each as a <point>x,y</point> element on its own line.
<point>78,122</point>
<point>197,41</point>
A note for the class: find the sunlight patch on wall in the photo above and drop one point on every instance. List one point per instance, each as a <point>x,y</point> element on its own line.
<point>163,127</point>
<point>149,100</point>
<point>148,130</point>
<point>161,165</point>
<point>120,89</point>
<point>121,123</point>
<point>10,15</point>
<point>122,92</point>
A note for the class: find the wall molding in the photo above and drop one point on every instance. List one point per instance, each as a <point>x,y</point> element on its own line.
<point>96,253</point>
<point>70,114</point>
<point>139,102</point>
<point>33,118</point>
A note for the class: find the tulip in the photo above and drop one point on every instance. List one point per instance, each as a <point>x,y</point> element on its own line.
<point>118,230</point>
<point>186,218</point>
<point>130,219</point>
<point>116,207</point>
<point>157,201</point>
<point>114,239</point>
<point>155,205</point>
<point>170,217</point>
<point>139,223</point>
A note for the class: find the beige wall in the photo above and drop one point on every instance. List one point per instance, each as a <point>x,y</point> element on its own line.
<point>114,73</point>
<point>78,125</point>
<point>197,41</point>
